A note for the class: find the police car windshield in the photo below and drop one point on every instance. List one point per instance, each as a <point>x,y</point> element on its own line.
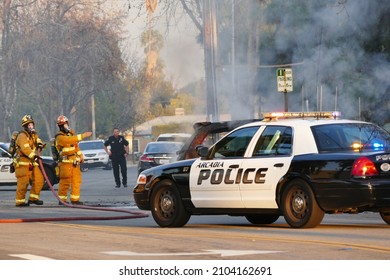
<point>355,137</point>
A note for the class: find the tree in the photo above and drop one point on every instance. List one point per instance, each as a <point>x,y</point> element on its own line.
<point>68,51</point>
<point>10,64</point>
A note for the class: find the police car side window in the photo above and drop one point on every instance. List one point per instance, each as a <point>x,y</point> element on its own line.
<point>3,153</point>
<point>235,144</point>
<point>275,140</point>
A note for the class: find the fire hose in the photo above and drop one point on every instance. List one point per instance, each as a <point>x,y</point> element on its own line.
<point>132,214</point>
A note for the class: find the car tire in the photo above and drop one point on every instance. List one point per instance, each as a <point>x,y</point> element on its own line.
<point>108,166</point>
<point>84,168</point>
<point>167,207</point>
<point>262,219</point>
<point>385,217</point>
<point>299,206</point>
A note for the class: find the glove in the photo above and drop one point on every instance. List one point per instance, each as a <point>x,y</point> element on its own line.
<point>41,145</point>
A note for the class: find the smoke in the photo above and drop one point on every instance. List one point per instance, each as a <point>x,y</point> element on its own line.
<point>327,41</point>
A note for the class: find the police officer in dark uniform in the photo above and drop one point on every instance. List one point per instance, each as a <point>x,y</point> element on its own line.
<point>119,149</point>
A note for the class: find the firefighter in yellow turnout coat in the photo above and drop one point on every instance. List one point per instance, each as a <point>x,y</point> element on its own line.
<point>26,164</point>
<point>70,159</point>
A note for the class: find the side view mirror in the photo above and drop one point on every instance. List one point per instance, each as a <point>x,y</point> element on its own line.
<point>202,151</point>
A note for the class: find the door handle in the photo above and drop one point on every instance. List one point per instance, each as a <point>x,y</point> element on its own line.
<point>278,164</point>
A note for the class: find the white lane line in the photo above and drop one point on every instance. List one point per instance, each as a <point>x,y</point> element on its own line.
<point>223,253</point>
<point>29,257</point>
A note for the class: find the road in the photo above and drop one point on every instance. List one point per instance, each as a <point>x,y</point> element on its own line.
<point>340,237</point>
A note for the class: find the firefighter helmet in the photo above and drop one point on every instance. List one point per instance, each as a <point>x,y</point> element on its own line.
<point>27,119</point>
<point>61,120</point>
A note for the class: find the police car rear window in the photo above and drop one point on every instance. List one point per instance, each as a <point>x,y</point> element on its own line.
<point>352,137</point>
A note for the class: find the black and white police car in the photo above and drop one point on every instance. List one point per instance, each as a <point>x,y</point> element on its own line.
<point>8,178</point>
<point>296,165</point>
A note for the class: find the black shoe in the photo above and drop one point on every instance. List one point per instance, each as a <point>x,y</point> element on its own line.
<point>22,205</point>
<point>118,186</point>
<point>77,203</point>
<point>36,202</point>
<point>125,185</point>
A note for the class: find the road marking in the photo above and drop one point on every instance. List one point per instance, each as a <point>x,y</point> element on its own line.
<point>223,253</point>
<point>29,257</point>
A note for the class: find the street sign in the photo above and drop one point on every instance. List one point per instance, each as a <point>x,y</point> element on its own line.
<point>284,79</point>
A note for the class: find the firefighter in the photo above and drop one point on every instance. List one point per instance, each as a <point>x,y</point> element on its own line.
<point>70,159</point>
<point>26,164</point>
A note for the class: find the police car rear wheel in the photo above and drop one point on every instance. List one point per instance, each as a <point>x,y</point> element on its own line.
<point>262,219</point>
<point>385,217</point>
<point>167,207</point>
<point>299,206</point>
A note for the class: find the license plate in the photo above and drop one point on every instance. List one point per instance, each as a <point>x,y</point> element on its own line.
<point>164,161</point>
<point>90,161</point>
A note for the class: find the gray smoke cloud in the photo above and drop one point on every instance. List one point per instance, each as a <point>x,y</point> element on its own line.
<point>327,39</point>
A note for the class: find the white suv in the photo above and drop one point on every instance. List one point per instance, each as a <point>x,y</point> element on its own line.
<point>94,155</point>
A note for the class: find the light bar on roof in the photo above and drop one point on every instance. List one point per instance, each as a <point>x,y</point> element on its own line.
<point>301,115</point>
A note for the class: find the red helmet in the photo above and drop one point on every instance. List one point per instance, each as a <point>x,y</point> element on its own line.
<point>61,120</point>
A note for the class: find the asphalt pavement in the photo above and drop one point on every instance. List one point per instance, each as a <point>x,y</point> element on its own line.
<point>97,189</point>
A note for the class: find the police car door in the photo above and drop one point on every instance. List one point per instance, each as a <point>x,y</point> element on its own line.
<point>215,182</point>
<point>5,162</point>
<point>266,163</point>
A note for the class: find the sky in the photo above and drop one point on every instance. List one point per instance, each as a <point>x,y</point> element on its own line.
<point>181,54</point>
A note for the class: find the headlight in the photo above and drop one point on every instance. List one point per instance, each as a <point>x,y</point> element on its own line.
<point>141,179</point>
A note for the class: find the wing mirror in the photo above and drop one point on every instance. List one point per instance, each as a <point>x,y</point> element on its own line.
<point>202,151</point>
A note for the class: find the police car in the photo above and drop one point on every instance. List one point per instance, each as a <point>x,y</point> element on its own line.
<point>8,178</point>
<point>296,165</point>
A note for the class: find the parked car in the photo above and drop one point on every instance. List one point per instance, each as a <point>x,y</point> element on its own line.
<point>157,153</point>
<point>94,155</point>
<point>8,178</point>
<point>296,165</point>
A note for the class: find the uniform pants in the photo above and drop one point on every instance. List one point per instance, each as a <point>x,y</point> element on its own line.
<point>24,175</point>
<point>70,178</point>
<point>116,163</point>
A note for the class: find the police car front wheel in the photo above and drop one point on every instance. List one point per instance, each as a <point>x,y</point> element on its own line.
<point>166,205</point>
<point>385,217</point>
<point>299,206</point>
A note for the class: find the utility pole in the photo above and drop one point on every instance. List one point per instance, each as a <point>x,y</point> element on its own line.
<point>210,47</point>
